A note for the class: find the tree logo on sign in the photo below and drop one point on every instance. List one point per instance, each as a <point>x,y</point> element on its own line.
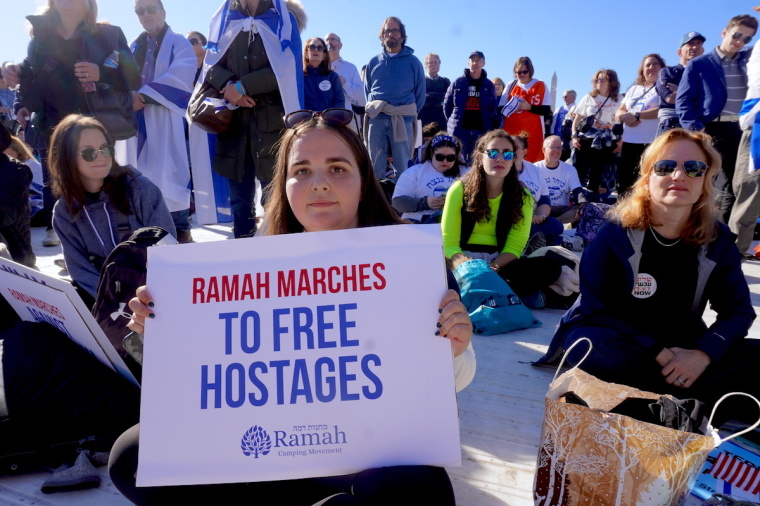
<point>256,442</point>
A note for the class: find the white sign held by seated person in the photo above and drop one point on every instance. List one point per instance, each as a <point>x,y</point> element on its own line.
<point>295,356</point>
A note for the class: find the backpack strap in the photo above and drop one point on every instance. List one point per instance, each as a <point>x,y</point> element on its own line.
<point>123,228</point>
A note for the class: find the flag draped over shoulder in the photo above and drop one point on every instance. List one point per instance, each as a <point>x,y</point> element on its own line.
<point>159,151</point>
<point>749,118</point>
<point>279,34</point>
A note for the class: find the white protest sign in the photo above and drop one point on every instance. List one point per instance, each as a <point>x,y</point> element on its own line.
<point>38,297</point>
<point>296,356</point>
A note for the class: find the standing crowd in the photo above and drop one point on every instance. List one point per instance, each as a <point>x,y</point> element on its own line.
<point>326,146</point>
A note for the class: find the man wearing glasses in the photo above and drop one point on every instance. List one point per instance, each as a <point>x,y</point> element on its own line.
<point>395,89</point>
<point>167,65</point>
<point>710,97</point>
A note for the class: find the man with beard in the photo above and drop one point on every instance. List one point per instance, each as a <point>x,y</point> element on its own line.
<point>395,89</point>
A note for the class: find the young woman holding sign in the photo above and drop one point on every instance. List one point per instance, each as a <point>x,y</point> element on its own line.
<point>323,181</point>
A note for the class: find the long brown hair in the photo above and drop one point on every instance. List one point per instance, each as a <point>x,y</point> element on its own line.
<point>614,89</point>
<point>325,66</point>
<point>374,209</point>
<point>634,211</point>
<point>476,191</point>
<point>64,174</point>
<point>640,79</point>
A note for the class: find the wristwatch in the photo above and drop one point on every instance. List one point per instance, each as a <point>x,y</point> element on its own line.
<point>637,116</point>
<point>495,266</point>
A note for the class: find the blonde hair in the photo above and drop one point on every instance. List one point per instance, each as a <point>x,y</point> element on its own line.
<point>634,210</point>
<point>21,149</point>
<point>90,19</point>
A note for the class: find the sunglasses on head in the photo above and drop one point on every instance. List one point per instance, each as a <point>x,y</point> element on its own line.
<point>439,157</point>
<point>334,117</point>
<point>151,9</point>
<point>493,154</point>
<point>313,47</point>
<point>90,154</point>
<point>692,168</point>
<point>522,72</point>
<point>738,35</point>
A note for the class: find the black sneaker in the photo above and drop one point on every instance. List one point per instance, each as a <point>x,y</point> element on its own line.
<point>536,242</point>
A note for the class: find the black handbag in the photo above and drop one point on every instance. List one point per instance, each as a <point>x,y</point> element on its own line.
<point>114,110</point>
<point>586,123</point>
<point>204,114</point>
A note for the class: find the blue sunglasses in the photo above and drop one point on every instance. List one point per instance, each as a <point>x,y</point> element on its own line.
<point>493,154</point>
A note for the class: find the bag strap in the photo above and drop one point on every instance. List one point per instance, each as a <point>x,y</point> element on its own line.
<point>590,347</point>
<point>748,429</point>
<point>122,226</point>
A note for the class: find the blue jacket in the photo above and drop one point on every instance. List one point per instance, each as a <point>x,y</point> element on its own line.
<point>456,100</point>
<point>322,91</point>
<point>607,272</point>
<point>702,93</point>
<point>398,80</point>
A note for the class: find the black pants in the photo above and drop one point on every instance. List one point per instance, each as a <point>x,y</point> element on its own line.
<point>726,138</point>
<point>398,485</point>
<point>527,276</point>
<point>628,170</point>
<point>594,164</point>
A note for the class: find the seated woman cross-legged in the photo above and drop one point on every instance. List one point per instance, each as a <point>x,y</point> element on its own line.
<point>649,273</point>
<point>323,181</point>
<point>488,214</point>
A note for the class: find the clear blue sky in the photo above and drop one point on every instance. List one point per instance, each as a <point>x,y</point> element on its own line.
<point>572,38</point>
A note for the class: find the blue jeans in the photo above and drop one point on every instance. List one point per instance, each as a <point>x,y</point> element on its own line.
<point>552,229</point>
<point>380,139</point>
<point>181,219</point>
<point>469,138</point>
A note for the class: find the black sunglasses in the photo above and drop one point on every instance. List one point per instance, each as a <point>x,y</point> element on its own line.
<point>194,41</point>
<point>441,157</point>
<point>493,154</point>
<point>334,117</point>
<point>151,9</point>
<point>692,168</point>
<point>90,154</point>
<point>522,72</point>
<point>313,47</point>
<point>739,35</point>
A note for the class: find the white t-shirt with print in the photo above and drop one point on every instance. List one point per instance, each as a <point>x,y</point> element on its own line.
<point>423,180</point>
<point>589,105</point>
<point>533,180</point>
<point>641,98</point>
<point>560,181</point>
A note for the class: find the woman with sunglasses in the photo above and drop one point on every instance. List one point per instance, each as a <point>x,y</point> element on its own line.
<point>69,56</point>
<point>421,189</point>
<point>100,202</point>
<point>648,275</point>
<point>323,181</point>
<point>487,215</point>
<point>322,86</point>
<point>532,109</point>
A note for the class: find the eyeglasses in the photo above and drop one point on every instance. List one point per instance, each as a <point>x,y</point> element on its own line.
<point>392,31</point>
<point>739,35</point>
<point>493,154</point>
<point>151,9</point>
<point>194,41</point>
<point>439,157</point>
<point>312,47</point>
<point>692,168</point>
<point>522,72</point>
<point>334,117</point>
<point>90,154</point>
<point>601,80</point>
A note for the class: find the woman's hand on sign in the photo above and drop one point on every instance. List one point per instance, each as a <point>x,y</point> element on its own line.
<point>454,323</point>
<point>141,305</point>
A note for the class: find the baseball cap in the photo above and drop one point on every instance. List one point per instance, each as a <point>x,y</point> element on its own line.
<point>477,53</point>
<point>691,36</point>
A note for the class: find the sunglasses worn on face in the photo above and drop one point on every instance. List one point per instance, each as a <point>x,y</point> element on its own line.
<point>739,35</point>
<point>313,47</point>
<point>194,41</point>
<point>692,168</point>
<point>439,157</point>
<point>522,72</point>
<point>493,154</point>
<point>90,154</point>
<point>151,9</point>
<point>600,80</point>
<point>334,117</point>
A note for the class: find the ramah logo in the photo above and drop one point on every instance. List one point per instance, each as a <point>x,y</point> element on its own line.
<point>256,442</point>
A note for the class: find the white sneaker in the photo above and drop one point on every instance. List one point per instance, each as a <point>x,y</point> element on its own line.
<point>572,242</point>
<point>51,238</point>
